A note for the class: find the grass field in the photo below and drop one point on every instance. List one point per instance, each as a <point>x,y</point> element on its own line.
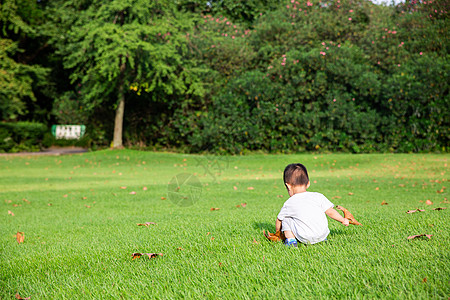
<point>79,217</point>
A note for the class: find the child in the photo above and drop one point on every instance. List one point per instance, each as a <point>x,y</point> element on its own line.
<point>302,216</point>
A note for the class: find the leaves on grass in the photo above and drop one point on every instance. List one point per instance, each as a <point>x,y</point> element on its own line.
<point>21,298</point>
<point>123,187</point>
<point>132,193</point>
<point>350,194</point>
<point>242,205</point>
<point>144,188</point>
<point>146,224</point>
<point>163,198</point>
<point>250,188</point>
<point>180,249</point>
<point>439,208</point>
<point>411,237</point>
<point>255,241</point>
<point>428,202</point>
<point>214,208</point>
<point>20,237</point>
<point>274,237</point>
<point>10,213</point>
<point>348,215</point>
<point>384,203</point>
<point>415,210</point>
<point>280,196</point>
<point>149,255</point>
<point>235,188</point>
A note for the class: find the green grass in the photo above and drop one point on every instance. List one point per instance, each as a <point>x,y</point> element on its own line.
<point>75,251</point>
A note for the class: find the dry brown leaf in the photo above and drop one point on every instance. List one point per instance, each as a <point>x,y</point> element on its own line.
<point>21,298</point>
<point>348,215</point>
<point>250,188</point>
<point>337,197</point>
<point>350,194</point>
<point>180,249</point>
<point>235,188</point>
<point>415,210</point>
<point>163,198</point>
<point>132,193</point>
<point>274,237</point>
<point>20,237</point>
<point>10,213</point>
<point>214,208</point>
<point>255,241</point>
<point>150,255</point>
<point>123,187</point>
<point>439,208</point>
<point>411,237</point>
<point>146,224</point>
<point>280,196</point>
<point>384,203</point>
<point>428,202</point>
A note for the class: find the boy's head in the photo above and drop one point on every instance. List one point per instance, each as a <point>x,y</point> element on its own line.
<point>295,175</point>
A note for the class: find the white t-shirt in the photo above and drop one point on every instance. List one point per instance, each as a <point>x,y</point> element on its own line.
<point>304,215</point>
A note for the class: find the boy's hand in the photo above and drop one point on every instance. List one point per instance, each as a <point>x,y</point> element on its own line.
<point>346,222</point>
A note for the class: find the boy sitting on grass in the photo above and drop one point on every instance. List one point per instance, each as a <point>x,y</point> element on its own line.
<point>302,216</point>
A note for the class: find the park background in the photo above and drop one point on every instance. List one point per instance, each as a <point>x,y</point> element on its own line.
<point>226,76</point>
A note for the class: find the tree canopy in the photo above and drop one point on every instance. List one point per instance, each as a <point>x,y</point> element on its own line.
<point>232,76</point>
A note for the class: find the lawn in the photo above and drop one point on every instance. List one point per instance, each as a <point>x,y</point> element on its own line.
<point>79,216</point>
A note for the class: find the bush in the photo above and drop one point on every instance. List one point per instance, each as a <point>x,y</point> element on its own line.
<point>21,136</point>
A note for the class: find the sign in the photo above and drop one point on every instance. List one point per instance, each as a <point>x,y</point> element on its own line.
<point>69,132</point>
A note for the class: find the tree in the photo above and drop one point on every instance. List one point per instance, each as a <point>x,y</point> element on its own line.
<point>121,47</point>
<point>17,77</point>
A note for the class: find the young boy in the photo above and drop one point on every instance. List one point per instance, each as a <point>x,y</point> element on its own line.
<point>302,216</point>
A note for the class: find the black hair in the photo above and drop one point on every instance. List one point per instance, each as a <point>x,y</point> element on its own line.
<point>296,174</point>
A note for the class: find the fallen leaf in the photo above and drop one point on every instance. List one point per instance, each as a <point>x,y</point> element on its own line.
<point>274,237</point>
<point>280,196</point>
<point>428,202</point>
<point>88,206</point>
<point>180,249</point>
<point>348,215</point>
<point>384,203</point>
<point>20,237</point>
<point>163,198</point>
<point>439,208</point>
<point>49,204</point>
<point>411,237</point>
<point>235,188</point>
<point>250,188</point>
<point>424,280</point>
<point>144,188</point>
<point>84,198</point>
<point>243,204</point>
<point>146,224</point>
<point>123,187</point>
<point>10,213</point>
<point>132,193</point>
<point>150,255</point>
<point>21,298</point>
<point>16,205</point>
<point>350,194</point>
<point>255,241</point>
<point>337,197</point>
<point>214,208</point>
<point>415,210</point>
<point>65,196</point>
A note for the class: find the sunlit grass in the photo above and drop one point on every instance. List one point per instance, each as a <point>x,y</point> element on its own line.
<point>80,227</point>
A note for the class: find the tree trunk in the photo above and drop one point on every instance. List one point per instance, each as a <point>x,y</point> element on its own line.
<point>118,123</point>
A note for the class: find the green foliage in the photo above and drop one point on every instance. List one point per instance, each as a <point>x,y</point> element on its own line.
<point>18,80</point>
<point>233,76</point>
<point>21,136</point>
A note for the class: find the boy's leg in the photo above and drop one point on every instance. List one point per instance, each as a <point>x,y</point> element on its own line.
<point>290,237</point>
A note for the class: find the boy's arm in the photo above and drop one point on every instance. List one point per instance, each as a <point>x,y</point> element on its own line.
<point>278,225</point>
<point>332,213</point>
